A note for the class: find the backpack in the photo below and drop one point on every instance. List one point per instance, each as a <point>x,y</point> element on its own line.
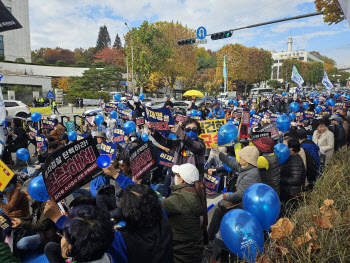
<point>311,172</point>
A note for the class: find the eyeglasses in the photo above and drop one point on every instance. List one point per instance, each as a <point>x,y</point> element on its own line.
<point>193,129</point>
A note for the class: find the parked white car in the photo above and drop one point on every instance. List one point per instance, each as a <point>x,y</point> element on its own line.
<point>16,108</point>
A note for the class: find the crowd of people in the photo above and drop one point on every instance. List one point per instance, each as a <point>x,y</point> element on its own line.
<point>163,217</point>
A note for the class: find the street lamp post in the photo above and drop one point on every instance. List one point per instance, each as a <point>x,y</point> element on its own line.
<point>127,70</point>
<point>132,58</point>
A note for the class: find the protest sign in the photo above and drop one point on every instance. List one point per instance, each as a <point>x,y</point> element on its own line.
<point>309,114</point>
<point>258,135</point>
<point>255,120</point>
<point>236,115</point>
<point>141,161</point>
<point>272,129</point>
<point>128,96</point>
<point>118,135</point>
<point>239,109</point>
<point>318,115</point>
<point>71,167</point>
<point>109,149</point>
<point>245,125</point>
<point>322,99</point>
<point>111,106</point>
<point>324,108</point>
<point>33,131</point>
<point>210,130</point>
<point>140,121</point>
<point>40,142</point>
<point>338,106</point>
<point>300,116</point>
<point>101,128</point>
<point>159,119</point>
<point>278,96</point>
<point>119,122</point>
<point>81,136</point>
<point>126,114</point>
<point>181,118</point>
<point>212,183</point>
<point>197,118</point>
<point>6,175</point>
<point>165,159</point>
<point>268,112</point>
<point>70,125</point>
<point>48,124</point>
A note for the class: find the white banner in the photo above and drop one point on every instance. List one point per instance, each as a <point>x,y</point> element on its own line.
<point>326,82</point>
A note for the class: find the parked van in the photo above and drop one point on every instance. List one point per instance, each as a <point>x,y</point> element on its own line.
<point>225,95</point>
<point>262,91</point>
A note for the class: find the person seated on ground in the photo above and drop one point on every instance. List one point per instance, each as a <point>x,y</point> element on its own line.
<point>92,191</point>
<point>268,163</point>
<point>248,174</point>
<point>339,132</point>
<point>58,130</point>
<point>324,138</point>
<point>5,250</point>
<point>40,228</point>
<point>293,172</point>
<point>17,203</point>
<point>51,148</point>
<point>63,139</point>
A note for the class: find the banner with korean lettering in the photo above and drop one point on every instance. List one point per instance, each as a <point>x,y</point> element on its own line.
<point>165,159</point>
<point>322,99</point>
<point>309,115</point>
<point>48,124</point>
<point>181,118</point>
<point>40,142</point>
<point>109,149</point>
<point>245,125</point>
<point>111,106</point>
<point>338,106</point>
<point>278,96</point>
<point>159,119</point>
<point>33,131</point>
<point>210,130</point>
<point>71,167</point>
<point>142,161</point>
<point>324,108</point>
<point>300,116</point>
<point>268,112</point>
<point>239,109</point>
<point>272,129</point>
<point>140,121</point>
<point>318,115</point>
<point>81,137</point>
<point>258,135</point>
<point>128,95</point>
<point>126,114</point>
<point>255,120</point>
<point>212,183</point>
<point>273,117</point>
<point>118,135</point>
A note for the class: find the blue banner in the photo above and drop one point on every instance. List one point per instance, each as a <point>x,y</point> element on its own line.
<point>126,114</point>
<point>273,117</point>
<point>211,183</point>
<point>309,114</point>
<point>118,135</point>
<point>255,120</point>
<point>300,116</point>
<point>109,149</point>
<point>48,124</point>
<point>101,128</point>
<point>111,106</point>
<point>81,137</point>
<point>119,122</point>
<point>159,119</point>
<point>128,95</point>
<point>40,142</point>
<point>33,131</point>
<point>165,159</point>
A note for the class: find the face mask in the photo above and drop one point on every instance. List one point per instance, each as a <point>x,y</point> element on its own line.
<point>193,135</point>
<point>9,188</point>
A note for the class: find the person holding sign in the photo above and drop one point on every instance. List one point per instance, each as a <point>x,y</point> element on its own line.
<point>188,148</point>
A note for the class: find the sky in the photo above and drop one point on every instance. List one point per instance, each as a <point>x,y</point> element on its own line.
<point>72,24</point>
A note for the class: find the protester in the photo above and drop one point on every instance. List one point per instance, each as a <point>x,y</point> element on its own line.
<point>339,132</point>
<point>325,140</point>
<point>217,112</point>
<point>58,129</point>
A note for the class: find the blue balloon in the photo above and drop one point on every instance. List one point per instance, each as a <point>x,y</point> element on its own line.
<point>193,113</point>
<point>242,234</point>
<point>318,109</point>
<point>331,102</point>
<point>305,105</point>
<point>283,123</point>
<point>262,202</point>
<point>312,94</point>
<point>172,136</point>
<point>72,136</point>
<point>117,97</point>
<point>113,114</point>
<point>22,154</point>
<point>230,101</point>
<point>36,116</point>
<point>294,106</point>
<point>235,103</point>
<point>252,112</point>
<point>316,101</point>
<point>142,96</point>
<point>327,95</point>
<point>327,103</point>
<point>37,189</point>
<point>199,113</point>
<point>138,135</point>
<point>261,114</point>
<point>278,112</point>
<point>103,161</point>
<point>99,119</point>
<point>282,152</point>
<point>336,95</point>
<point>284,94</point>
<point>227,133</point>
<point>144,137</point>
<point>129,127</point>
<point>348,97</point>
<point>226,167</point>
<point>230,119</point>
<point>292,116</point>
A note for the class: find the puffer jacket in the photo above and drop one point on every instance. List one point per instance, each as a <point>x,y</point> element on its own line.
<point>277,107</point>
<point>184,208</point>
<point>246,177</point>
<point>313,149</point>
<point>293,175</point>
<point>269,169</point>
<point>17,205</point>
<point>339,137</point>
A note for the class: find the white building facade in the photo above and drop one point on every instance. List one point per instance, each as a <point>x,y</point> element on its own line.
<point>279,57</point>
<point>16,43</point>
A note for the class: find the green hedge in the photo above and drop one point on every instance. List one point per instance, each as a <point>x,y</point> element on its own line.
<point>71,96</point>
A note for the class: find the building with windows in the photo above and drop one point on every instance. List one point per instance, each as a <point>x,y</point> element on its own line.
<point>279,57</point>
<point>16,43</point>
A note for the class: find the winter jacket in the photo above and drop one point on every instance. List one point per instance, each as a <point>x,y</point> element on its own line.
<point>6,254</point>
<point>246,177</point>
<point>139,111</point>
<point>17,205</point>
<point>269,169</point>
<point>277,107</point>
<point>21,140</point>
<point>184,208</point>
<point>97,183</point>
<point>313,149</point>
<point>326,143</point>
<point>292,175</point>
<point>38,222</point>
<point>55,133</point>
<point>339,137</point>
<point>185,151</point>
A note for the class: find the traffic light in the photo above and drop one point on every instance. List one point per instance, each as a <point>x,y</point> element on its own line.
<point>186,42</point>
<point>221,35</point>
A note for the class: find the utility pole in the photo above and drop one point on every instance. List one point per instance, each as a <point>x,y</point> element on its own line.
<point>132,59</point>
<point>127,71</point>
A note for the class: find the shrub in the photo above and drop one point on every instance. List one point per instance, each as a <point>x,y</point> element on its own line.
<point>72,95</point>
<point>99,64</point>
<point>103,95</point>
<point>20,60</point>
<point>2,57</point>
<point>80,64</point>
<point>41,61</point>
<point>61,63</point>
